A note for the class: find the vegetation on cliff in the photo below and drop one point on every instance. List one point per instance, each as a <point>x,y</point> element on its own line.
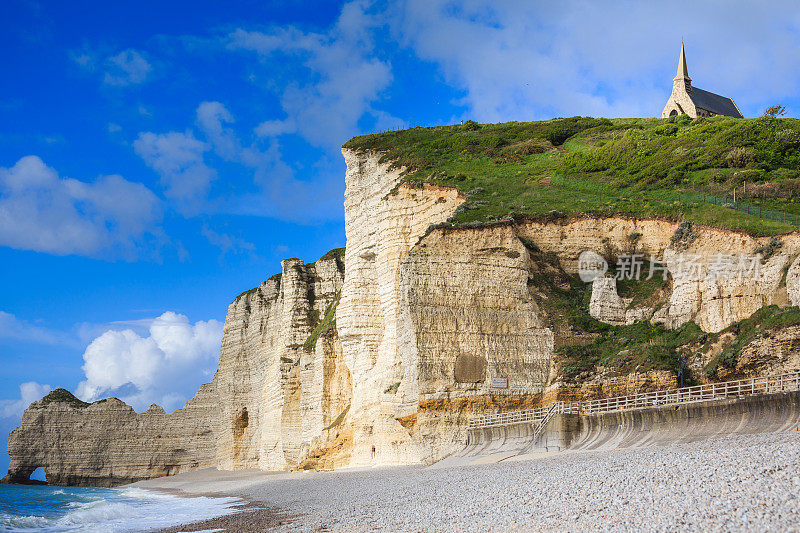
<point>676,168</point>
<point>762,323</point>
<point>583,343</point>
<point>62,396</point>
<point>327,323</point>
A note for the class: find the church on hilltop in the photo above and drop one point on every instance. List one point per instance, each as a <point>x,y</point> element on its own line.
<point>688,100</point>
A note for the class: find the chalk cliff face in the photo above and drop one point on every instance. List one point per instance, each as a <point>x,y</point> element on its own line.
<point>467,319</point>
<point>272,379</point>
<point>276,389</point>
<point>384,362</point>
<point>382,223</point>
<point>714,282</point>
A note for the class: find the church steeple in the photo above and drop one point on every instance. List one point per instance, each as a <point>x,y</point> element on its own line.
<point>682,82</point>
<point>683,72</point>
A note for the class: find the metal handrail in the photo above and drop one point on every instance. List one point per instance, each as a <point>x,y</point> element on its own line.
<point>542,423</point>
<point>696,393</point>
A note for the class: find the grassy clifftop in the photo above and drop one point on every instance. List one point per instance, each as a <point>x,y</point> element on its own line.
<point>643,167</point>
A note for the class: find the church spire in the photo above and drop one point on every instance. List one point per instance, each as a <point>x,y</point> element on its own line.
<point>683,72</point>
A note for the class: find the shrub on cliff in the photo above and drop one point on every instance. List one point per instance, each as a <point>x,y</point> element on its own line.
<point>326,324</point>
<point>62,396</point>
<point>763,322</point>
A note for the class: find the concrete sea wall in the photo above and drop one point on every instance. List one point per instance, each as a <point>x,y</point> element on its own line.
<point>765,413</point>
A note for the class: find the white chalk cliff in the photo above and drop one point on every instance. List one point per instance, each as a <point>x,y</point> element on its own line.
<point>381,356</point>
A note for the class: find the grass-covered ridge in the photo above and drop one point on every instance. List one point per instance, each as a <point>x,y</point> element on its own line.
<point>642,167</point>
<point>62,396</point>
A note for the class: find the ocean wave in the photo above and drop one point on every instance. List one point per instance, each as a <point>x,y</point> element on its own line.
<point>9,522</point>
<point>122,510</point>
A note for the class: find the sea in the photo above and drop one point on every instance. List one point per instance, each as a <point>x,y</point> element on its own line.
<point>49,508</point>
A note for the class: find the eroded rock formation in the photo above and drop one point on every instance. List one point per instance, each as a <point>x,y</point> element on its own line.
<point>107,443</point>
<point>281,374</point>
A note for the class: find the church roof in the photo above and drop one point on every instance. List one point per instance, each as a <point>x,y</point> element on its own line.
<point>714,103</point>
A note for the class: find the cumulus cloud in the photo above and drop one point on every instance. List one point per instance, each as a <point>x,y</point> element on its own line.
<point>518,61</point>
<point>29,392</point>
<point>179,160</point>
<point>214,119</point>
<point>164,366</point>
<point>43,212</point>
<point>128,67</point>
<point>327,83</point>
<point>274,128</point>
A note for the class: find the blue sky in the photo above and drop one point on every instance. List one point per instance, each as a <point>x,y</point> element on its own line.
<point>156,160</point>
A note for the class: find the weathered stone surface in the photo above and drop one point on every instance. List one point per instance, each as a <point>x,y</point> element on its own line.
<point>714,296</point>
<point>707,287</point>
<point>607,306</point>
<point>793,282</point>
<point>382,223</point>
<point>107,443</point>
<point>267,369</point>
<point>466,311</point>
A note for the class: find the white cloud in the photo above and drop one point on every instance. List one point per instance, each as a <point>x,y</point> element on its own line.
<point>227,243</point>
<point>86,58</point>
<point>43,212</point>
<point>128,67</point>
<point>166,366</point>
<point>212,119</point>
<point>342,78</point>
<point>13,328</point>
<point>178,159</point>
<point>29,392</point>
<point>181,161</point>
<point>327,83</point>
<point>274,128</point>
<point>523,61</point>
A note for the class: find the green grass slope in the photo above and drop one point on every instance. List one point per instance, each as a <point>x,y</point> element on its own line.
<point>666,168</point>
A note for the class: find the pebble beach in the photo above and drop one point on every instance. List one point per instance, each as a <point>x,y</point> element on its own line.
<point>736,483</point>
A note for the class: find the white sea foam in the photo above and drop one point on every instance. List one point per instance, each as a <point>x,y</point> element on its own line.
<point>124,510</point>
<point>22,523</point>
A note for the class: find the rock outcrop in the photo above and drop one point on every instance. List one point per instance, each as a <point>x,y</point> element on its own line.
<point>384,362</point>
<point>607,306</point>
<point>468,320</point>
<point>107,443</point>
<point>383,221</point>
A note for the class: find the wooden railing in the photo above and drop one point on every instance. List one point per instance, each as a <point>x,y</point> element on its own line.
<point>519,417</point>
<point>697,393</point>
